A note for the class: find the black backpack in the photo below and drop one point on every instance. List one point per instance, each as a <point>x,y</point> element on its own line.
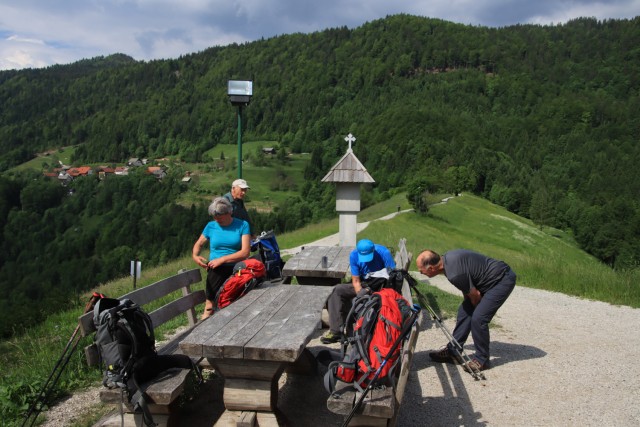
<point>126,344</point>
<point>395,280</point>
<point>124,335</point>
<point>372,326</point>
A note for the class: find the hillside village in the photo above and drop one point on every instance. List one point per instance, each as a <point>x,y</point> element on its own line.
<point>65,174</point>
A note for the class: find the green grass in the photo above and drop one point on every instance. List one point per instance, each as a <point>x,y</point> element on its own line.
<point>542,258</point>
<point>209,182</point>
<point>63,154</point>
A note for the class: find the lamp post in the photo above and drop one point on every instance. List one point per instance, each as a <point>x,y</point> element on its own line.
<point>240,92</point>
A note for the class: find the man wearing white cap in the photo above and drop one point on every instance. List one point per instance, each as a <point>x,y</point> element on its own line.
<point>239,189</point>
<point>366,258</point>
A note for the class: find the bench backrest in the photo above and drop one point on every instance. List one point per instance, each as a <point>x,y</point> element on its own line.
<point>153,292</point>
<point>403,261</point>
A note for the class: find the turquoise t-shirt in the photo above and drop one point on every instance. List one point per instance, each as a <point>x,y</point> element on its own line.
<point>225,240</point>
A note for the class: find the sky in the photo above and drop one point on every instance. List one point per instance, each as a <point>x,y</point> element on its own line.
<point>39,33</point>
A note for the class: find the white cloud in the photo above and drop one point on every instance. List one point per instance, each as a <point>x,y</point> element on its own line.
<point>36,33</point>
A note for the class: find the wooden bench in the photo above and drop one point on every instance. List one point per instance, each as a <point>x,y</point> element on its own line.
<point>164,391</point>
<point>380,407</point>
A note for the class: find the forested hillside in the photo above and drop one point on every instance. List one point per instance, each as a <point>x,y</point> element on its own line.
<point>540,119</point>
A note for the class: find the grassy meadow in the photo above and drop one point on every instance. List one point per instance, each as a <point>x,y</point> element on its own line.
<point>543,258</point>
<point>51,159</point>
<point>264,180</point>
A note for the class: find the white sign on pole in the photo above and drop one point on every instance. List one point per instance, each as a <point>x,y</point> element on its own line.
<point>137,266</point>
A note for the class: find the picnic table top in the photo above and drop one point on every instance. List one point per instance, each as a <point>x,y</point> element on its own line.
<point>271,323</point>
<point>308,262</point>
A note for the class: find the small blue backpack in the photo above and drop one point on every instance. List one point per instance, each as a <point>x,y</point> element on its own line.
<point>269,254</point>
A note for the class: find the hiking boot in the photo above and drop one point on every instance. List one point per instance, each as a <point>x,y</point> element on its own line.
<point>475,366</point>
<point>444,355</point>
<point>330,338</point>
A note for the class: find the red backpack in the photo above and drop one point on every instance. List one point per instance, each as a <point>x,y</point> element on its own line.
<point>246,275</point>
<point>373,325</point>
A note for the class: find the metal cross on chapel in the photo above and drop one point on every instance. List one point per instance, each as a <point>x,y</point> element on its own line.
<point>350,138</point>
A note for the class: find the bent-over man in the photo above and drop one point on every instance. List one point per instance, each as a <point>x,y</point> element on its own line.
<point>486,283</point>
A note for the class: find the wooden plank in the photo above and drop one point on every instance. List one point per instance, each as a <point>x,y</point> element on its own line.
<point>251,322</point>
<point>405,366</point>
<point>91,355</point>
<point>134,420</point>
<point>288,331</point>
<point>147,294</point>
<point>194,343</point>
<point>162,391</point>
<point>378,403</point>
<point>239,368</point>
<point>243,394</point>
<point>267,419</point>
<point>366,421</point>
<point>308,262</point>
<point>247,321</point>
<point>402,258</point>
<point>163,287</point>
<point>247,419</point>
<point>176,308</point>
<point>228,419</point>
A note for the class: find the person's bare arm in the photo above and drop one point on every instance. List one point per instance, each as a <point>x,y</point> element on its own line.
<point>357,285</point>
<point>195,252</point>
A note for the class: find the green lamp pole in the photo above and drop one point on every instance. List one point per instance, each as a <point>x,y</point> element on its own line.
<point>239,141</point>
<point>240,92</point>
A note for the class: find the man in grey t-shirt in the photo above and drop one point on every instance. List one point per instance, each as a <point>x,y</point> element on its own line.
<point>486,283</point>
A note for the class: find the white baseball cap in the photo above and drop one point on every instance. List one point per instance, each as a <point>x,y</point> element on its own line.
<point>240,183</point>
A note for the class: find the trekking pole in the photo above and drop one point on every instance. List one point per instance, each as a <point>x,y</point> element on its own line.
<point>47,388</point>
<point>40,398</point>
<point>405,331</point>
<point>462,354</point>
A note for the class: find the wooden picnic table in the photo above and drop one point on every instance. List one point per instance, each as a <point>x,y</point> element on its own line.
<point>253,340</point>
<point>309,269</point>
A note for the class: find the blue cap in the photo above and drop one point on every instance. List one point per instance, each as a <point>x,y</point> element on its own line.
<point>365,249</point>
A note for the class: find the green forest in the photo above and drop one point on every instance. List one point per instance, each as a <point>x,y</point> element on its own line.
<point>542,120</point>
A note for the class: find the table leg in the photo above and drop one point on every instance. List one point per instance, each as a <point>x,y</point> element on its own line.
<point>249,385</point>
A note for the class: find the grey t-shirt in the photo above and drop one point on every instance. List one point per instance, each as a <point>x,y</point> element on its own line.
<point>466,269</point>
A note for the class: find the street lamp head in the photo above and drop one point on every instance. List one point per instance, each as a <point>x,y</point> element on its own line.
<point>240,91</point>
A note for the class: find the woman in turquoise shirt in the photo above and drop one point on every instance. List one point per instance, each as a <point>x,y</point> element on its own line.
<point>229,242</point>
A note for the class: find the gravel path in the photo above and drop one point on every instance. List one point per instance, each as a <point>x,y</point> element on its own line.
<point>556,360</point>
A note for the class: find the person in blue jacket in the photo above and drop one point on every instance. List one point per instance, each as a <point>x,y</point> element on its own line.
<point>365,259</point>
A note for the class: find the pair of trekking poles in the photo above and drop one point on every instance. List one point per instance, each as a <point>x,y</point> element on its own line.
<point>459,349</point>
<point>43,396</point>
<point>461,354</point>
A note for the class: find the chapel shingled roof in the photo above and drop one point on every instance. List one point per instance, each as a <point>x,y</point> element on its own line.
<point>348,169</point>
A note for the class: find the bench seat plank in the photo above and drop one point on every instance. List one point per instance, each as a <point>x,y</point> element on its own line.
<point>162,391</point>
<point>378,403</point>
